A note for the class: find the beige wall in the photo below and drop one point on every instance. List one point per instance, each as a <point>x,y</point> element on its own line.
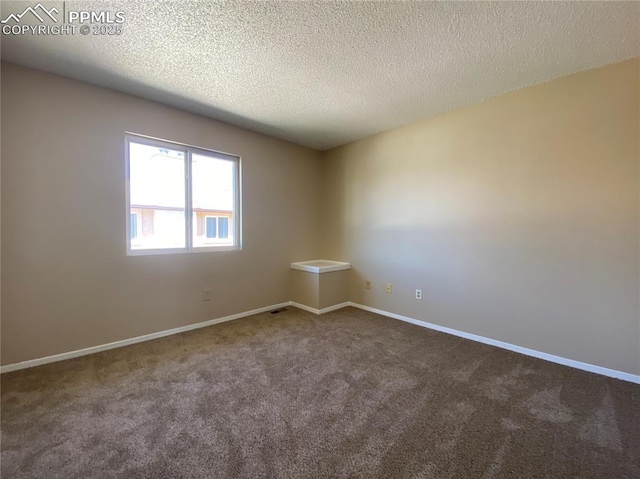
<point>66,280</point>
<point>319,290</point>
<point>518,217</point>
<point>334,288</point>
<point>305,288</point>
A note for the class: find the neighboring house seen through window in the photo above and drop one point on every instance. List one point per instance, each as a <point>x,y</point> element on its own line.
<point>180,198</point>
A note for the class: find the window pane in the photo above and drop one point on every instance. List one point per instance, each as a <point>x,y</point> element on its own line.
<point>134,225</point>
<point>211,226</point>
<point>223,227</point>
<point>212,192</point>
<point>157,193</point>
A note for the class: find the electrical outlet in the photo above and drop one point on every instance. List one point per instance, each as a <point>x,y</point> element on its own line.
<point>389,288</point>
<point>206,295</point>
<point>367,284</point>
<point>418,294</point>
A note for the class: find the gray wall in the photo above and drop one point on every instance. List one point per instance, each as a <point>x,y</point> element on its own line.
<point>518,217</point>
<point>66,280</point>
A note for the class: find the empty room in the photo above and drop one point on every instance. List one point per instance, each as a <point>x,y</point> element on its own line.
<point>320,239</point>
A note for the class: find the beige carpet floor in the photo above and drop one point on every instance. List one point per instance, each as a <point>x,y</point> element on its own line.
<point>292,395</point>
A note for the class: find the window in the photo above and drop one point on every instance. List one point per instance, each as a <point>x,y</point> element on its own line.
<point>180,198</point>
<point>133,218</point>
<point>217,227</point>
<point>212,227</point>
<point>223,227</point>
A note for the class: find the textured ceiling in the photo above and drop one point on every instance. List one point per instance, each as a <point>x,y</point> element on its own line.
<point>324,74</point>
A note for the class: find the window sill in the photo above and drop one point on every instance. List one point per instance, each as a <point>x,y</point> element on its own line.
<point>208,249</point>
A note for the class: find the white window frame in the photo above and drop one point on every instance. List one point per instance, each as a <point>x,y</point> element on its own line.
<point>188,151</point>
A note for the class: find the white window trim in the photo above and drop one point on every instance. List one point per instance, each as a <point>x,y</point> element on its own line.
<point>188,151</point>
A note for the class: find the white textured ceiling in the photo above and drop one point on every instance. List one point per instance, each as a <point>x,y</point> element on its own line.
<point>324,74</point>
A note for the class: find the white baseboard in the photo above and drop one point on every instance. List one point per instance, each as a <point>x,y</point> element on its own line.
<point>304,307</point>
<point>474,337</point>
<point>511,347</point>
<point>335,307</point>
<point>139,339</point>
<point>320,311</point>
